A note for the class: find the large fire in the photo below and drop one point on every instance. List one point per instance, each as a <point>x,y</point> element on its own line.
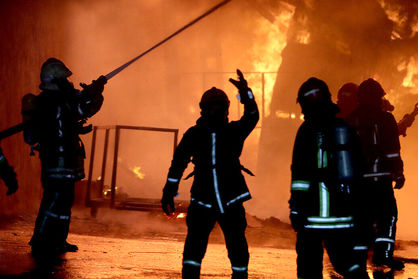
<point>266,57</point>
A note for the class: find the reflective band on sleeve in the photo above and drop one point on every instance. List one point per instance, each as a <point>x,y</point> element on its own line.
<point>240,268</point>
<point>215,175</point>
<point>207,205</point>
<point>327,226</point>
<point>376,174</point>
<point>173,180</point>
<point>330,219</point>
<point>360,248</point>
<point>80,111</point>
<point>294,212</point>
<point>354,267</point>
<point>300,185</point>
<point>392,155</point>
<point>383,239</point>
<point>250,94</point>
<point>194,263</point>
<point>238,198</point>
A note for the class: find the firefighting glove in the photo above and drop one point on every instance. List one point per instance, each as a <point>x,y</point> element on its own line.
<point>399,181</point>
<point>297,220</point>
<point>96,87</point>
<point>245,93</point>
<point>9,177</point>
<point>167,201</point>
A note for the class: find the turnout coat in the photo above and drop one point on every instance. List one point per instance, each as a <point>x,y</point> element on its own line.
<point>218,180</point>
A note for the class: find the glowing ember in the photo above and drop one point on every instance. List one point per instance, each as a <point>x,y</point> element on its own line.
<point>137,171</point>
<point>181,215</point>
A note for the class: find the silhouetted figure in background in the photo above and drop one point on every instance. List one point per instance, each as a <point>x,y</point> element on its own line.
<point>380,144</point>
<point>53,121</point>
<point>347,99</point>
<point>325,170</point>
<point>8,175</point>
<point>214,145</point>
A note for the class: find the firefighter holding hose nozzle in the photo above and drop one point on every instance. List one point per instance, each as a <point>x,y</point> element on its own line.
<point>326,168</point>
<point>53,121</point>
<point>214,145</point>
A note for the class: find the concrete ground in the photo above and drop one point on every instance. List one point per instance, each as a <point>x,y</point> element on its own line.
<point>139,245</point>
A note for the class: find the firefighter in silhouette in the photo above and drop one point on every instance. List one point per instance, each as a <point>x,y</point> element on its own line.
<point>214,145</point>
<point>8,175</point>
<point>347,99</point>
<point>53,121</point>
<point>380,144</point>
<point>325,172</point>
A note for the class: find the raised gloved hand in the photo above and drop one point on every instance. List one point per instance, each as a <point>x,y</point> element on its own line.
<point>399,181</point>
<point>245,93</point>
<point>167,201</point>
<point>297,220</point>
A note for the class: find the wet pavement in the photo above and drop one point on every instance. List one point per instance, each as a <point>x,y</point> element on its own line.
<point>149,254</point>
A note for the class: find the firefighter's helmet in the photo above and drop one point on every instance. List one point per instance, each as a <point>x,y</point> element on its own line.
<point>314,97</point>
<point>51,71</point>
<point>370,92</point>
<point>213,96</point>
<point>348,91</point>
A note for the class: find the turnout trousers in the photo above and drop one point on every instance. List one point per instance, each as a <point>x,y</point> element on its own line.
<point>53,221</point>
<point>339,244</point>
<point>200,222</point>
<point>384,217</point>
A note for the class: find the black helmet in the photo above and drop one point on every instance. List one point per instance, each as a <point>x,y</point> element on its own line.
<point>212,97</point>
<point>348,91</point>
<point>314,97</point>
<point>52,70</point>
<point>370,92</point>
<point>347,98</point>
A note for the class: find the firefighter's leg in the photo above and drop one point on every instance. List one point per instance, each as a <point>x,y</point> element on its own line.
<point>51,227</point>
<point>233,225</point>
<point>386,229</point>
<point>339,245</point>
<point>200,222</point>
<point>309,254</point>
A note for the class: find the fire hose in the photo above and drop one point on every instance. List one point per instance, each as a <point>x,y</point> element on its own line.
<point>121,68</point>
<point>19,127</point>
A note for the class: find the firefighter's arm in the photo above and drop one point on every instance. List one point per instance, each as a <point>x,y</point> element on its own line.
<point>91,98</point>
<point>179,163</point>
<point>392,151</point>
<point>300,185</point>
<point>8,175</point>
<point>251,114</point>
<point>407,121</point>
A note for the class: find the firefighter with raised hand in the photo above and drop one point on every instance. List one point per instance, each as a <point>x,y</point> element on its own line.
<point>53,121</point>
<point>214,145</point>
<point>8,175</point>
<point>380,144</point>
<point>325,170</point>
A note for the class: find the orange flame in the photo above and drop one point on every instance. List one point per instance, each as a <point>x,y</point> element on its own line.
<point>137,171</point>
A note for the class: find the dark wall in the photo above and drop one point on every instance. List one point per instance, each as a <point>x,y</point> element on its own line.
<point>31,32</point>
